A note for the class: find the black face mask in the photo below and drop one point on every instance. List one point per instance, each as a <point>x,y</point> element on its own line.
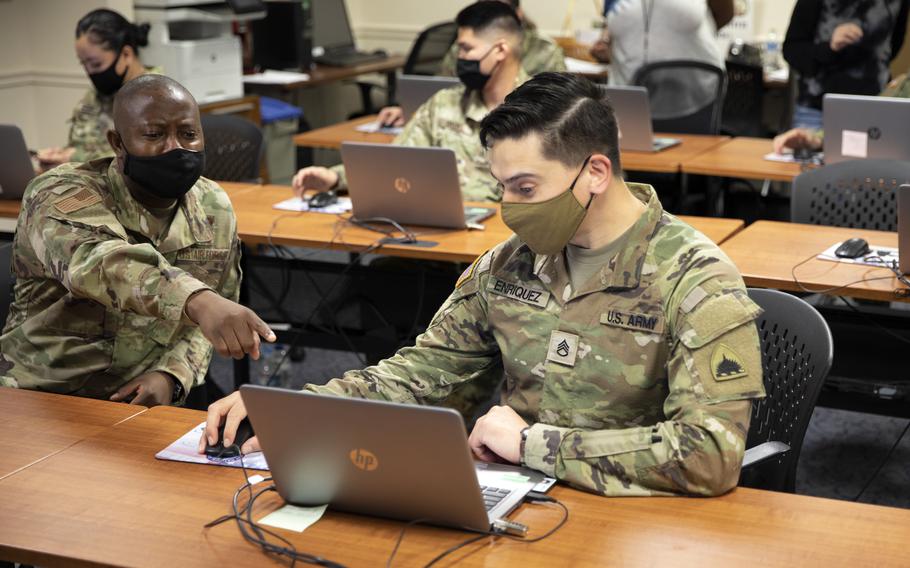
<point>168,175</point>
<point>108,82</point>
<point>468,71</point>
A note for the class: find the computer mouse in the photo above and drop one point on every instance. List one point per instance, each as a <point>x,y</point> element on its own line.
<point>322,199</point>
<point>381,52</point>
<point>803,154</point>
<point>852,248</point>
<point>244,433</point>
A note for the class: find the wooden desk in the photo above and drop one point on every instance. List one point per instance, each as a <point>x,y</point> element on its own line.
<point>35,425</point>
<point>106,500</point>
<point>332,136</point>
<point>742,158</point>
<point>767,251</point>
<point>321,74</point>
<point>256,219</point>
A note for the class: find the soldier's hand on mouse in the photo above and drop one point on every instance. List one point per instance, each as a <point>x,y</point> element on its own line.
<point>391,116</point>
<point>496,436</point>
<point>232,411</point>
<point>149,389</point>
<point>232,329</point>
<point>797,139</point>
<point>313,177</point>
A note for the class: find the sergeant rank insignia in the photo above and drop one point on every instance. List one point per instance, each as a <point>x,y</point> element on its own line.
<point>726,364</point>
<point>563,348</point>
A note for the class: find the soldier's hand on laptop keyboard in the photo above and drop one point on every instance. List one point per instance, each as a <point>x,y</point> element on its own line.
<point>314,177</point>
<point>496,436</point>
<point>231,410</point>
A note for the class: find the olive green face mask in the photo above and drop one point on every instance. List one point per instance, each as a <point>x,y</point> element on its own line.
<point>547,226</point>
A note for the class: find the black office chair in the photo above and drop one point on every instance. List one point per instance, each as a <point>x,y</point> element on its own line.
<point>233,148</point>
<point>860,194</point>
<point>6,280</point>
<point>797,352</point>
<point>686,96</point>
<point>425,58</point>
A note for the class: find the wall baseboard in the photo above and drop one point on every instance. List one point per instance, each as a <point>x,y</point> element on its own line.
<point>43,78</point>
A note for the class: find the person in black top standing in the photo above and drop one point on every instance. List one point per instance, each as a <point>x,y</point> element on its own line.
<point>841,46</point>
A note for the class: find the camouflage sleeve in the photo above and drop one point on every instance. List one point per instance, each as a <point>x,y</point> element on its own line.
<point>457,347</point>
<point>188,358</point>
<point>714,370</point>
<point>342,176</point>
<point>82,245</point>
<point>84,136</point>
<point>556,61</point>
<point>419,129</point>
<point>447,67</point>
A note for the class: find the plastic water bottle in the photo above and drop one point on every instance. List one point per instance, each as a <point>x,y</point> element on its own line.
<point>270,356</point>
<point>772,52</point>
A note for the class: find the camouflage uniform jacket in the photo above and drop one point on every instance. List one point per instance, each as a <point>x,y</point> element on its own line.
<point>638,383</point>
<point>92,118</point>
<point>451,119</point>
<point>101,283</point>
<point>538,54</point>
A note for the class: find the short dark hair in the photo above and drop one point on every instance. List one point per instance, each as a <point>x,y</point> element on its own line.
<point>489,14</point>
<point>112,31</point>
<point>572,115</point>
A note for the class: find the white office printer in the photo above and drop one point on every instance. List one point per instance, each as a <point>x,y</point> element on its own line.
<point>193,41</point>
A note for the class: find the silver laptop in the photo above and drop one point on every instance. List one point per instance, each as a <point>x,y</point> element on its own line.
<point>16,168</point>
<point>903,228</point>
<point>385,459</point>
<point>859,127</point>
<point>633,115</point>
<point>409,185</point>
<point>414,90</point>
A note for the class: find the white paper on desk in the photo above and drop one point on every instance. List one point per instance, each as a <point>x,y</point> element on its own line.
<point>581,66</point>
<point>782,74</point>
<point>879,256</point>
<point>343,205</point>
<point>854,143</point>
<point>185,449</point>
<point>375,126</point>
<point>275,77</point>
<point>293,518</point>
<point>775,157</point>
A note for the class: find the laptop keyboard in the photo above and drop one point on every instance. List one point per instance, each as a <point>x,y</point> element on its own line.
<point>493,495</point>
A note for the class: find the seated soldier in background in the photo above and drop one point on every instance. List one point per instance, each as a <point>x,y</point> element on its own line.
<point>624,339</point>
<point>128,268</point>
<point>489,35</point>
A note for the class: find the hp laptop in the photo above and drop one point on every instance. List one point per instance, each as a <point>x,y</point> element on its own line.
<point>333,42</point>
<point>859,127</point>
<point>15,163</point>
<point>633,115</point>
<point>384,459</point>
<point>414,90</point>
<point>411,186</point>
<point>903,228</point>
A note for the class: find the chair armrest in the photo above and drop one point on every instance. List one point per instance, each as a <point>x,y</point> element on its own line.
<point>762,452</point>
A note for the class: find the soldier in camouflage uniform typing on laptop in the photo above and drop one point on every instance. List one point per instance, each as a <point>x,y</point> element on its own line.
<point>127,268</point>
<point>625,338</point>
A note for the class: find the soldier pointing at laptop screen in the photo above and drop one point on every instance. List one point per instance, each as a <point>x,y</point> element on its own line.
<point>623,339</point>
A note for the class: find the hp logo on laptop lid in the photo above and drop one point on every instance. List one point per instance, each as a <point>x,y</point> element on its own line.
<point>364,460</point>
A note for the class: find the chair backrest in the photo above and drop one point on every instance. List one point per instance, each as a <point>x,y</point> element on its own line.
<point>233,148</point>
<point>430,48</point>
<point>860,194</point>
<point>797,351</point>
<point>6,280</point>
<point>742,113</point>
<point>686,96</point>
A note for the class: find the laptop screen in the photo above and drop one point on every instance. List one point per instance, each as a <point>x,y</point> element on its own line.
<point>331,28</point>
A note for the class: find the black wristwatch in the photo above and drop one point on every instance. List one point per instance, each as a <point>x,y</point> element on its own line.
<point>521,447</point>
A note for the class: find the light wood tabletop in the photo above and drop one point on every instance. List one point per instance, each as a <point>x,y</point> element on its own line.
<point>321,74</point>
<point>333,135</point>
<point>10,208</point>
<point>742,158</point>
<point>107,501</point>
<point>35,425</point>
<point>259,223</point>
<point>766,253</point>
<point>671,159</point>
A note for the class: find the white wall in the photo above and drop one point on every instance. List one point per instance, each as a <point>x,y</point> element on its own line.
<point>393,24</point>
<point>40,77</point>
